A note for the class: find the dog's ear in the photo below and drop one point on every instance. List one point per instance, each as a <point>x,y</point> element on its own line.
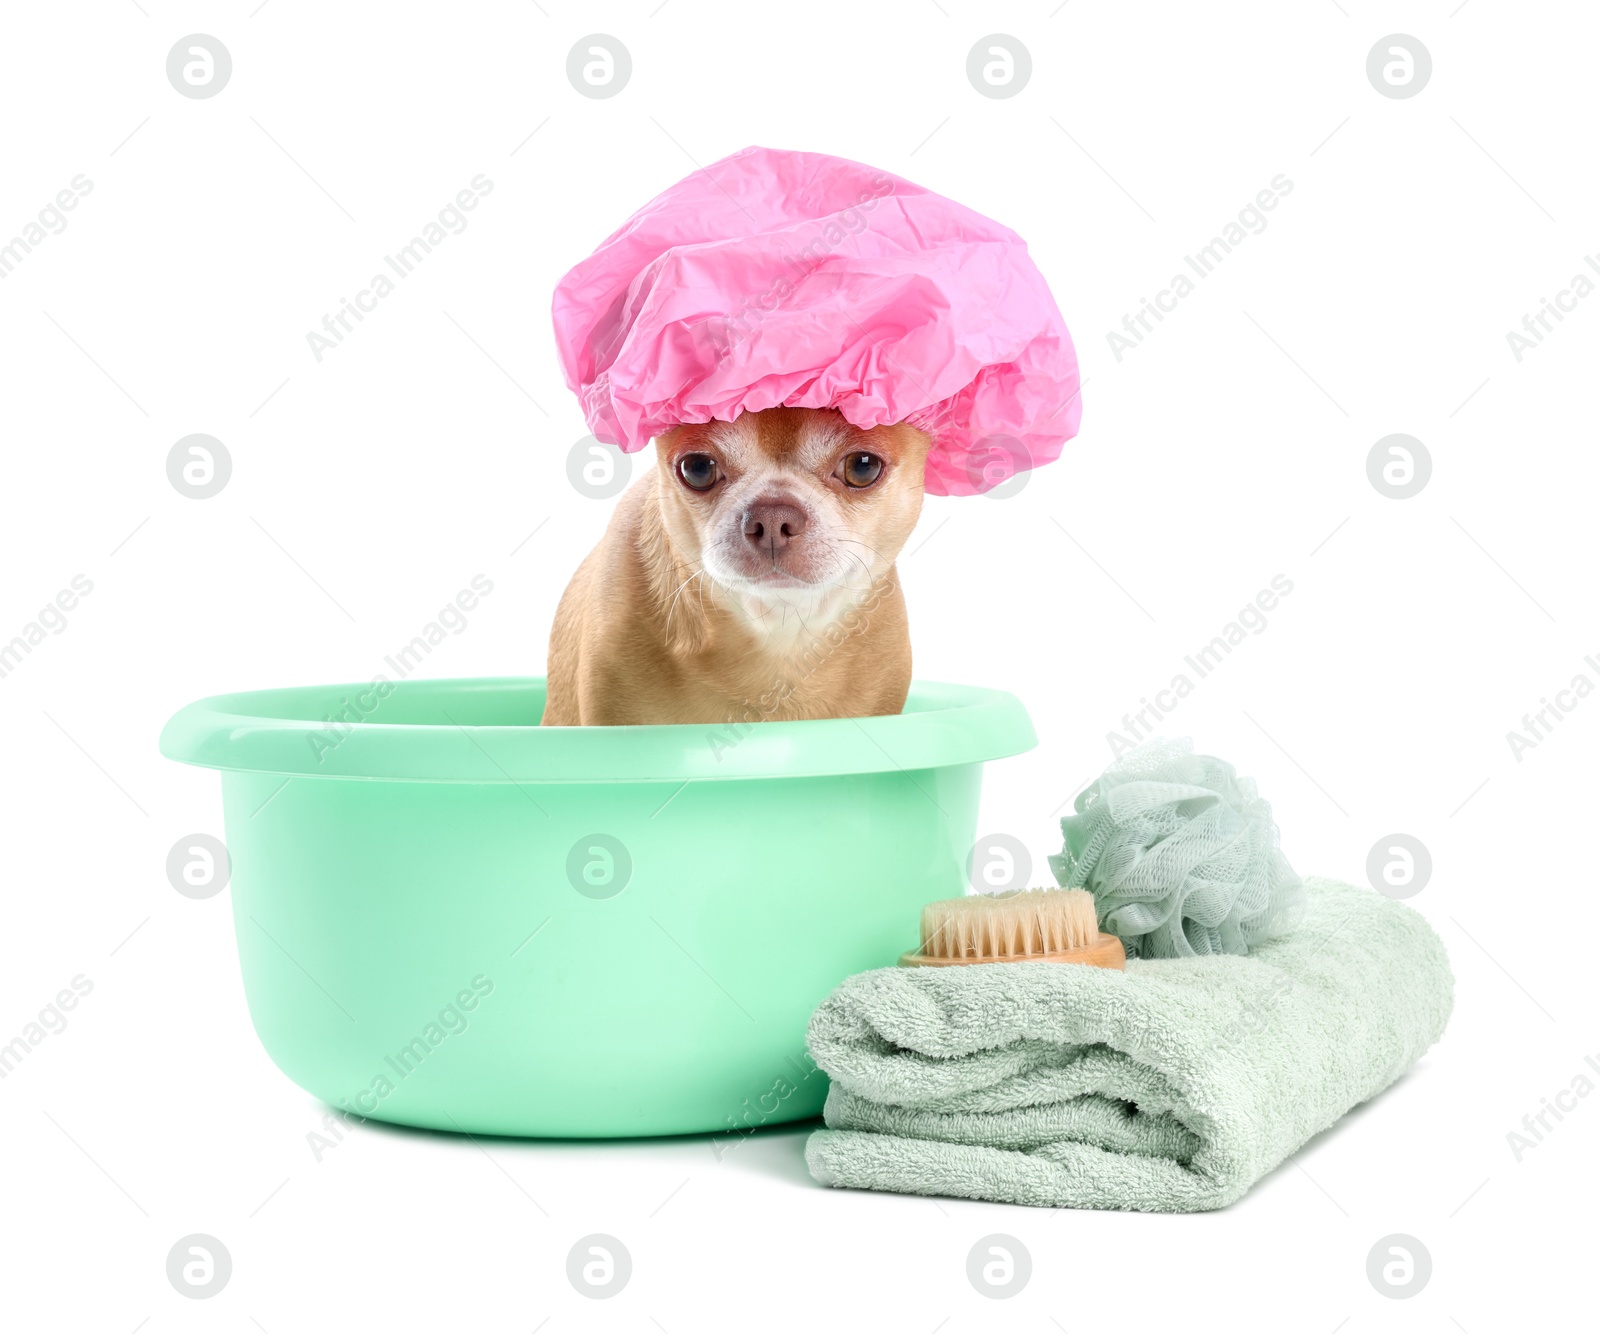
<point>675,586</point>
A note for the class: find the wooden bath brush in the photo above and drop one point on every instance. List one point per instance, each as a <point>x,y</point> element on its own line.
<point>1033,926</point>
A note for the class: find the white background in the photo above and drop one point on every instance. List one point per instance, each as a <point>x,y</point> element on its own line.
<point>368,488</point>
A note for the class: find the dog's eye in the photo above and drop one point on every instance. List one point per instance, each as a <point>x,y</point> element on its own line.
<point>698,472</point>
<point>859,470</point>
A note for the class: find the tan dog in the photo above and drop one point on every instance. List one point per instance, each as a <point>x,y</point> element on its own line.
<point>749,577</point>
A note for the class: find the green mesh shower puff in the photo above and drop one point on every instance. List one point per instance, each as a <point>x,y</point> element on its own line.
<point>1181,855</point>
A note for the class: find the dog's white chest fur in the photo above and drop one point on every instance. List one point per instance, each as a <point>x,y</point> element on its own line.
<point>785,619</point>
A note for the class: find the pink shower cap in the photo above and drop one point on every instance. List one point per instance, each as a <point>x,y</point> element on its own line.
<point>773,278</point>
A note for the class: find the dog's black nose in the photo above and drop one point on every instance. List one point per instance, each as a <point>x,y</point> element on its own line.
<point>773,524</point>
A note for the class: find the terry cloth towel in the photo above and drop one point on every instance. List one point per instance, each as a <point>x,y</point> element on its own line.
<point>1171,1087</point>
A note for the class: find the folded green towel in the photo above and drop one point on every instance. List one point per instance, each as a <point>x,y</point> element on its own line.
<point>1172,1087</point>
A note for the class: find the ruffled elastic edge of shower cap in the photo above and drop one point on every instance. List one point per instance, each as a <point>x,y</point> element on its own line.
<point>798,279</point>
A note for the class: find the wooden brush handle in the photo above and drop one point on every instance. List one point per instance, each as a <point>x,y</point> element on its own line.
<point>1106,952</point>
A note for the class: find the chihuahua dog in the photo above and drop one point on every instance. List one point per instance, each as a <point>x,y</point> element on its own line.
<point>749,577</point>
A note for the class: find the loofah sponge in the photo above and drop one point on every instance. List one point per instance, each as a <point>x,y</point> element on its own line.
<point>1181,855</point>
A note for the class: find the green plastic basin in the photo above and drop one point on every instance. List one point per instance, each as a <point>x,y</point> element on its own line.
<point>449,916</point>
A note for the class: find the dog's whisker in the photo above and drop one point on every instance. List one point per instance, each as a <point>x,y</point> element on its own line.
<point>865,568</point>
<point>856,541</point>
<point>672,607</point>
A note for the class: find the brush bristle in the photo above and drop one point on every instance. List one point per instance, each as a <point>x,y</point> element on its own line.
<point>1010,926</point>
